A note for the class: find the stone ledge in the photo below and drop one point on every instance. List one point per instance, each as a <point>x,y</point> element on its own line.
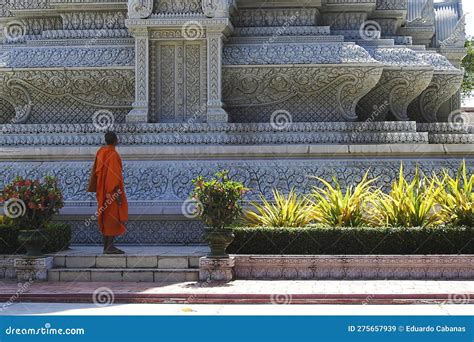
<point>45,153</point>
<point>353,267</point>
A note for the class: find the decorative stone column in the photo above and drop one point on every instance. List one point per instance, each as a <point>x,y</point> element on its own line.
<point>140,9</point>
<point>215,112</point>
<point>139,113</point>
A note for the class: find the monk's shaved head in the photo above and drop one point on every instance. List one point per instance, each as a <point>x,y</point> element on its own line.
<point>111,138</point>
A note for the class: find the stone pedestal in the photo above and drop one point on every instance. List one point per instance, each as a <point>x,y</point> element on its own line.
<point>33,268</point>
<point>216,269</point>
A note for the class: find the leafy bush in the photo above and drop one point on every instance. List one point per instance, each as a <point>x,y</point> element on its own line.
<point>355,241</point>
<point>32,203</point>
<point>333,207</point>
<point>58,238</point>
<point>286,211</point>
<point>456,197</point>
<point>8,239</point>
<point>409,204</point>
<point>219,200</point>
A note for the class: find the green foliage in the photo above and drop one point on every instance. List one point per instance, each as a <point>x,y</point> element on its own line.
<point>353,241</point>
<point>456,197</point>
<point>219,200</point>
<point>8,239</point>
<point>468,65</point>
<point>286,211</point>
<point>32,203</point>
<point>409,204</point>
<point>58,236</point>
<point>333,207</point>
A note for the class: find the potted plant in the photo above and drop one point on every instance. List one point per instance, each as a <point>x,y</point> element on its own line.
<point>31,205</point>
<point>219,206</point>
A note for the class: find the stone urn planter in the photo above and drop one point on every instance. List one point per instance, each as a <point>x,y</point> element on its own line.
<point>218,205</point>
<point>218,241</point>
<point>33,240</point>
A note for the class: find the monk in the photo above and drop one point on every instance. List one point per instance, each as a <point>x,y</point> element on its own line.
<point>110,193</point>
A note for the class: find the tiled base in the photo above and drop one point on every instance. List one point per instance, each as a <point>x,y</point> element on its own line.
<point>362,267</point>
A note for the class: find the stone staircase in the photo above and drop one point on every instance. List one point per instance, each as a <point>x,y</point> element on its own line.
<point>140,264</point>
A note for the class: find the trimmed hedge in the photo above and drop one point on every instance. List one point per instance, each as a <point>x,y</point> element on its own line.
<point>58,237</point>
<point>355,241</point>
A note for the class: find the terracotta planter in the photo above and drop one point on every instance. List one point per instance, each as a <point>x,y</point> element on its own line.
<point>218,241</point>
<point>33,241</point>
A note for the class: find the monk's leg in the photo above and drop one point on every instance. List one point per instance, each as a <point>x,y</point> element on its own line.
<point>110,248</point>
<point>106,243</point>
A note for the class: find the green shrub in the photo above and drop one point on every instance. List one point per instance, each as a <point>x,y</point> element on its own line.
<point>356,241</point>
<point>286,211</point>
<point>218,200</point>
<point>9,239</point>
<point>58,236</point>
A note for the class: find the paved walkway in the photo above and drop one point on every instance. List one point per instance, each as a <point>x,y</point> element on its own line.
<point>244,310</point>
<point>245,291</point>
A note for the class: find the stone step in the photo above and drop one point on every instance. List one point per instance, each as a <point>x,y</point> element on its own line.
<point>122,275</point>
<point>130,262</point>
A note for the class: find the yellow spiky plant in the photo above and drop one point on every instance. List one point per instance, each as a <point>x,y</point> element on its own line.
<point>285,211</point>
<point>456,197</point>
<point>409,204</point>
<point>350,208</point>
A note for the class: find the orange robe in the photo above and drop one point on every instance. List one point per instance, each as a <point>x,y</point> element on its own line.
<point>111,214</point>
